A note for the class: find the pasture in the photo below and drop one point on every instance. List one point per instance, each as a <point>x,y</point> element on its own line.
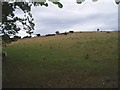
<point>76,60</point>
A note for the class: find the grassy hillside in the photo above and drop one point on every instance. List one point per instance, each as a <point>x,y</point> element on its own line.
<point>82,60</point>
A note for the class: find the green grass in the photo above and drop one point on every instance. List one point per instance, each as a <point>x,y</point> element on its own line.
<point>60,61</point>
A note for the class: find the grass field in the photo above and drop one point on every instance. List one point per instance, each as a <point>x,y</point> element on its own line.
<point>77,60</point>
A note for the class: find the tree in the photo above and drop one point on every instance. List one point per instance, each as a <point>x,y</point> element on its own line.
<point>9,20</point>
<point>38,35</point>
<point>30,33</point>
<point>98,29</point>
<point>71,31</point>
<point>15,38</point>
<point>81,1</point>
<point>6,38</point>
<point>57,32</point>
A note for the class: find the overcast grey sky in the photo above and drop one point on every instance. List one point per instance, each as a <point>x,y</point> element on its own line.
<point>87,16</point>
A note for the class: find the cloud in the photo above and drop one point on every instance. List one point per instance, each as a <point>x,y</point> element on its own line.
<point>88,16</point>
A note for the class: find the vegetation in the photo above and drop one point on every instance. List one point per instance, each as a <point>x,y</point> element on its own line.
<point>38,35</point>
<point>6,38</point>
<point>76,60</point>
<point>9,19</point>
<point>57,32</point>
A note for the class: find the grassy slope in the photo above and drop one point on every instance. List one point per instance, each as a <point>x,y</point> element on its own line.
<point>61,61</point>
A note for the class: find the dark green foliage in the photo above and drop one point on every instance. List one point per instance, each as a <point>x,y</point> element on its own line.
<point>41,3</point>
<point>38,35</point>
<point>6,38</point>
<point>107,32</point>
<point>71,31</point>
<point>65,33</point>
<point>117,1</point>
<point>15,38</point>
<point>59,4</point>
<point>98,29</point>
<point>79,1</point>
<point>29,32</point>
<point>50,35</point>
<point>57,32</point>
<point>9,19</point>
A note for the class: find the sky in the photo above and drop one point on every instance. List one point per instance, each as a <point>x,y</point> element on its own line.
<point>87,16</point>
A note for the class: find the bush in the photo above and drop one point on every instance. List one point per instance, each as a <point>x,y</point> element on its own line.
<point>97,29</point>
<point>38,35</point>
<point>6,38</point>
<point>50,35</point>
<point>107,32</point>
<point>65,33</point>
<point>71,31</point>
<point>15,38</point>
<point>57,32</point>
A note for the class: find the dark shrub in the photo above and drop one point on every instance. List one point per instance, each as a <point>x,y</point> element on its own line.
<point>57,32</point>
<point>98,29</point>
<point>15,38</point>
<point>38,35</point>
<point>6,38</point>
<point>65,33</point>
<point>71,31</point>
<point>107,32</point>
<point>50,35</point>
